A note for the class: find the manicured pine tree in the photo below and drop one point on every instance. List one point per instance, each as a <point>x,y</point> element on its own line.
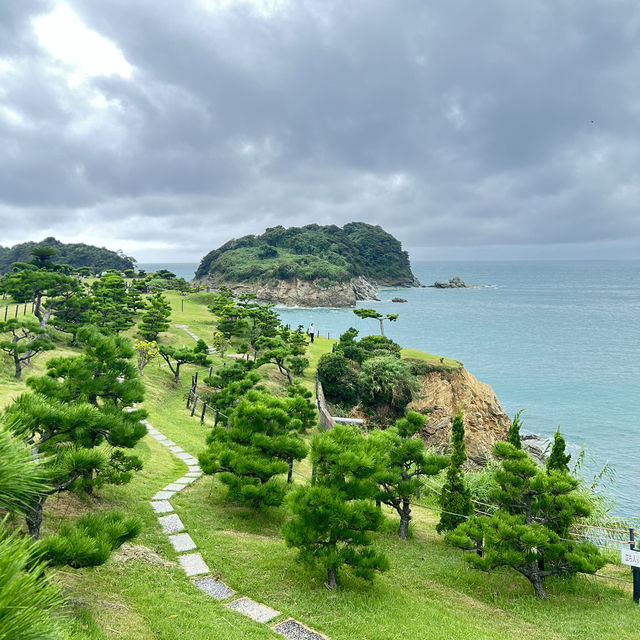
<point>376,315</point>
<point>332,519</point>
<point>75,312</point>
<point>523,533</point>
<point>176,357</point>
<point>113,313</point>
<point>252,451</point>
<point>402,460</point>
<point>77,422</point>
<point>558,460</point>
<point>156,318</point>
<point>22,339</point>
<point>513,435</point>
<point>455,499</point>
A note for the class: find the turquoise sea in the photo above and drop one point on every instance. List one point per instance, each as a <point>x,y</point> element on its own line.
<point>560,339</point>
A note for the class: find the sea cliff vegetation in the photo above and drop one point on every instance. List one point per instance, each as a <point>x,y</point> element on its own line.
<point>329,254</point>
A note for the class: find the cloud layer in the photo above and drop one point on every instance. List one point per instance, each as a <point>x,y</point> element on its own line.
<point>467,129</point>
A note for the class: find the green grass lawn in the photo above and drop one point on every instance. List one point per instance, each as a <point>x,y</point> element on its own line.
<point>428,593</point>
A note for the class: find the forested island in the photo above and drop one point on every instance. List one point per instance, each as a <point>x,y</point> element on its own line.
<point>75,255</point>
<point>310,266</point>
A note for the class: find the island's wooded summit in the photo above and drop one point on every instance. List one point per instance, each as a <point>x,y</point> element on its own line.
<point>310,266</point>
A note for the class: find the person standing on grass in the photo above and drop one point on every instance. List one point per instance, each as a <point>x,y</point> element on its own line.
<point>311,332</point>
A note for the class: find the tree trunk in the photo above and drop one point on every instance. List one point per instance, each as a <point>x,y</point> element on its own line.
<point>176,373</point>
<point>18,364</point>
<point>533,575</point>
<point>290,474</point>
<point>405,517</point>
<point>332,580</point>
<point>381,326</point>
<point>33,516</point>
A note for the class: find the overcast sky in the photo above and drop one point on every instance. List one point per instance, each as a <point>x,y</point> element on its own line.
<point>469,129</point>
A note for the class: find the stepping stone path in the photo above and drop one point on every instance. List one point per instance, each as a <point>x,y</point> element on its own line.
<point>193,563</point>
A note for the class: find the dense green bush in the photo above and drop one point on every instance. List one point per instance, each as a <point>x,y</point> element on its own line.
<point>339,378</point>
<point>379,346</point>
<point>386,381</point>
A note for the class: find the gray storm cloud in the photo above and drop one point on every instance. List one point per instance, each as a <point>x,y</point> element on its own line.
<point>456,126</point>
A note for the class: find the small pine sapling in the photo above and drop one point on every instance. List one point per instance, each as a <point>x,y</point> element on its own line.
<point>455,499</point>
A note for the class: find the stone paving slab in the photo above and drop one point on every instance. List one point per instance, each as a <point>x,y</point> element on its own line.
<point>214,588</point>
<point>163,495</point>
<point>185,480</point>
<point>161,506</point>
<point>193,564</point>
<point>153,431</point>
<point>168,443</point>
<point>295,630</point>
<point>194,467</point>
<point>174,486</point>
<point>159,438</point>
<point>184,456</point>
<point>171,524</point>
<point>176,449</point>
<point>193,474</point>
<point>254,610</point>
<point>182,542</point>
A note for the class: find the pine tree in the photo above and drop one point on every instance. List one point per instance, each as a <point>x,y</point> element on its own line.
<point>332,519</point>
<point>455,499</point>
<point>513,436</point>
<point>523,533</point>
<point>402,460</point>
<point>22,339</point>
<point>77,422</point>
<point>254,449</point>
<point>156,318</point>
<point>558,460</point>
<point>175,358</point>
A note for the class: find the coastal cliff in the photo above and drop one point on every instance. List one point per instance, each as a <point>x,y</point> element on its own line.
<point>305,293</point>
<point>442,393</point>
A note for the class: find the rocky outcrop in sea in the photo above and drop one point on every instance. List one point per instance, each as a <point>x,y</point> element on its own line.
<point>453,283</point>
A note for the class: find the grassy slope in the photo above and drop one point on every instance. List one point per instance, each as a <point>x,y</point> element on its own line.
<point>428,593</point>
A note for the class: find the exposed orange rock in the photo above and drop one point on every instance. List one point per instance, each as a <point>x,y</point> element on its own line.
<point>485,421</point>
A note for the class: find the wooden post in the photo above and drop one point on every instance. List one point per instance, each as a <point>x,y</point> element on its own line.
<point>418,489</point>
<point>24,312</point>
<point>193,406</point>
<point>215,421</point>
<point>6,308</point>
<point>16,315</point>
<point>195,383</point>
<point>189,399</point>
<point>635,571</point>
<point>182,304</point>
<point>210,370</point>
<point>204,408</point>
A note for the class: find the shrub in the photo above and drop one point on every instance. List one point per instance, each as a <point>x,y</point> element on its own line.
<point>339,378</point>
<point>386,381</point>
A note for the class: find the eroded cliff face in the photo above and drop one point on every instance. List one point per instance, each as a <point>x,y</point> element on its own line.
<point>485,421</point>
<point>304,293</point>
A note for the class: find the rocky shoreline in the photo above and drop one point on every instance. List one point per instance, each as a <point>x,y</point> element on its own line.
<point>305,293</point>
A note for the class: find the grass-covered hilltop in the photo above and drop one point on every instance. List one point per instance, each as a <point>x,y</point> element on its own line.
<point>311,265</point>
<point>75,255</point>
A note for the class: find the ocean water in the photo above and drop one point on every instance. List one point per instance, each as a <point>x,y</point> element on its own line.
<point>559,339</point>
